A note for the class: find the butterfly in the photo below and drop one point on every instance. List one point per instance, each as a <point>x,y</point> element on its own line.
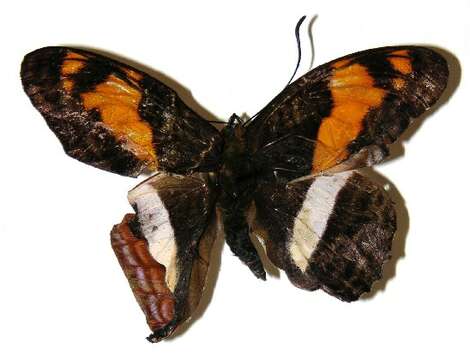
<point>293,167</point>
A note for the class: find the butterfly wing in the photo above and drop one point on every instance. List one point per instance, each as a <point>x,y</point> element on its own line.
<point>164,249</point>
<point>344,114</point>
<point>114,117</point>
<point>332,232</point>
<point>326,226</point>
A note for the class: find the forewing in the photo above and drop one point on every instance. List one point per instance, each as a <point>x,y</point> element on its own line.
<point>344,114</point>
<point>164,249</point>
<point>332,232</point>
<point>114,117</point>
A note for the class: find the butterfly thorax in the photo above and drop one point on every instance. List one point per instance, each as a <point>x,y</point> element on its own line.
<point>236,176</point>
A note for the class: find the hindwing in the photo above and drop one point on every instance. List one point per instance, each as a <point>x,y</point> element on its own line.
<point>332,232</point>
<point>164,249</point>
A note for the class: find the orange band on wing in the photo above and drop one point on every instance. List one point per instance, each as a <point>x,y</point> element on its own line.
<point>341,63</point>
<point>398,83</point>
<point>67,84</point>
<point>118,104</point>
<point>401,62</point>
<point>354,94</point>
<point>72,64</point>
<point>132,74</point>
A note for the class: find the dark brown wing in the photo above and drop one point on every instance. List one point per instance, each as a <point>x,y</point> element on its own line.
<point>332,232</point>
<point>344,114</point>
<point>114,117</point>
<point>164,249</point>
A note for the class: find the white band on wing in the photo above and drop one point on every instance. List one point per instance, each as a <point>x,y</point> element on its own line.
<point>156,227</point>
<point>312,218</point>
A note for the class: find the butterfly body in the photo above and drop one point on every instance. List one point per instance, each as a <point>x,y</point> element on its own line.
<point>238,182</point>
<point>293,168</point>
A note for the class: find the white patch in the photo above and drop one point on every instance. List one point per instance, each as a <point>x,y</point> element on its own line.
<point>156,227</point>
<point>311,220</point>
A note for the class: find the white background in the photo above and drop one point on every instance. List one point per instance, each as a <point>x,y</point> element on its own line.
<point>63,294</point>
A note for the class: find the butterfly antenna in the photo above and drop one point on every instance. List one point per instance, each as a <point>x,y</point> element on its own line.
<point>310,37</point>
<point>299,49</point>
<point>299,52</point>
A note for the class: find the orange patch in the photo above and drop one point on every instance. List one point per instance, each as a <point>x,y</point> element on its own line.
<point>72,64</point>
<point>75,56</point>
<point>341,63</point>
<point>398,83</point>
<point>67,84</point>
<point>70,67</point>
<point>354,94</point>
<point>401,62</point>
<point>400,52</point>
<point>132,74</point>
<point>118,103</point>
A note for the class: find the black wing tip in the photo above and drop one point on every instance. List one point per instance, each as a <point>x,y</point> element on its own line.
<point>433,55</point>
<point>42,54</point>
<point>37,60</point>
<point>45,55</point>
<point>432,73</point>
<point>433,60</point>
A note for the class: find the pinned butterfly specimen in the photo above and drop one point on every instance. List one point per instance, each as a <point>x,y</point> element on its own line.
<point>293,166</point>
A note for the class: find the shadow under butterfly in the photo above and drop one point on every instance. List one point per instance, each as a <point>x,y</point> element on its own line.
<point>286,177</point>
